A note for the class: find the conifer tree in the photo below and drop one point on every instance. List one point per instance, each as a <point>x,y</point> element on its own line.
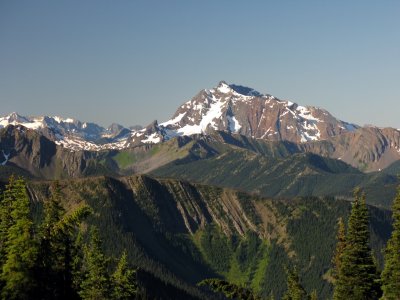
<point>37,264</point>
<point>96,281</point>
<point>20,247</point>
<point>6,201</point>
<point>50,264</point>
<point>357,277</point>
<point>391,272</point>
<point>56,251</point>
<point>123,280</point>
<point>6,220</point>
<point>295,289</point>
<point>340,245</point>
<point>77,262</point>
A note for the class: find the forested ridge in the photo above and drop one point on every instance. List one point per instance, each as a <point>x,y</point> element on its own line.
<point>143,238</point>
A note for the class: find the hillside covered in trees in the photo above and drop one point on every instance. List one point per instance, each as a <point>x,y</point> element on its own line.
<point>142,237</point>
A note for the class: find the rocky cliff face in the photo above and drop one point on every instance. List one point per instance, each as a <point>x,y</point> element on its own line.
<point>367,148</point>
<point>244,111</point>
<point>37,154</point>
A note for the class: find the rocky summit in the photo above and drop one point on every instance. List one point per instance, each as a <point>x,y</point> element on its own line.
<point>245,111</point>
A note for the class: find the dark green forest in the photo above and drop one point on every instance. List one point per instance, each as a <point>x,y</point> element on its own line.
<point>145,238</point>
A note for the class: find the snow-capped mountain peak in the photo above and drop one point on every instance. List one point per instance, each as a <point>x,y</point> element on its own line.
<point>16,119</point>
<point>243,110</point>
<point>226,107</point>
<point>33,122</point>
<point>223,87</point>
<point>71,133</point>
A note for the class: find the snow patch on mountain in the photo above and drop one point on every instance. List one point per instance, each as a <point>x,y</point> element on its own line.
<point>175,120</point>
<point>153,138</point>
<point>234,124</point>
<point>61,120</point>
<point>305,113</point>
<point>6,156</point>
<point>224,88</point>
<point>213,112</point>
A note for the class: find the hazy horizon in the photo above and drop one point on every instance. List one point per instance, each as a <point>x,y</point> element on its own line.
<point>132,62</point>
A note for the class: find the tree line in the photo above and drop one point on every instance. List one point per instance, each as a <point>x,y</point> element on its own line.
<point>48,258</point>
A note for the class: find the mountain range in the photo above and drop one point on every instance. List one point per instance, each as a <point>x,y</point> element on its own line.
<point>235,185</point>
<point>231,108</point>
<point>235,110</point>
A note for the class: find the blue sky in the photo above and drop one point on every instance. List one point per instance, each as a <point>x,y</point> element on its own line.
<point>135,61</point>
